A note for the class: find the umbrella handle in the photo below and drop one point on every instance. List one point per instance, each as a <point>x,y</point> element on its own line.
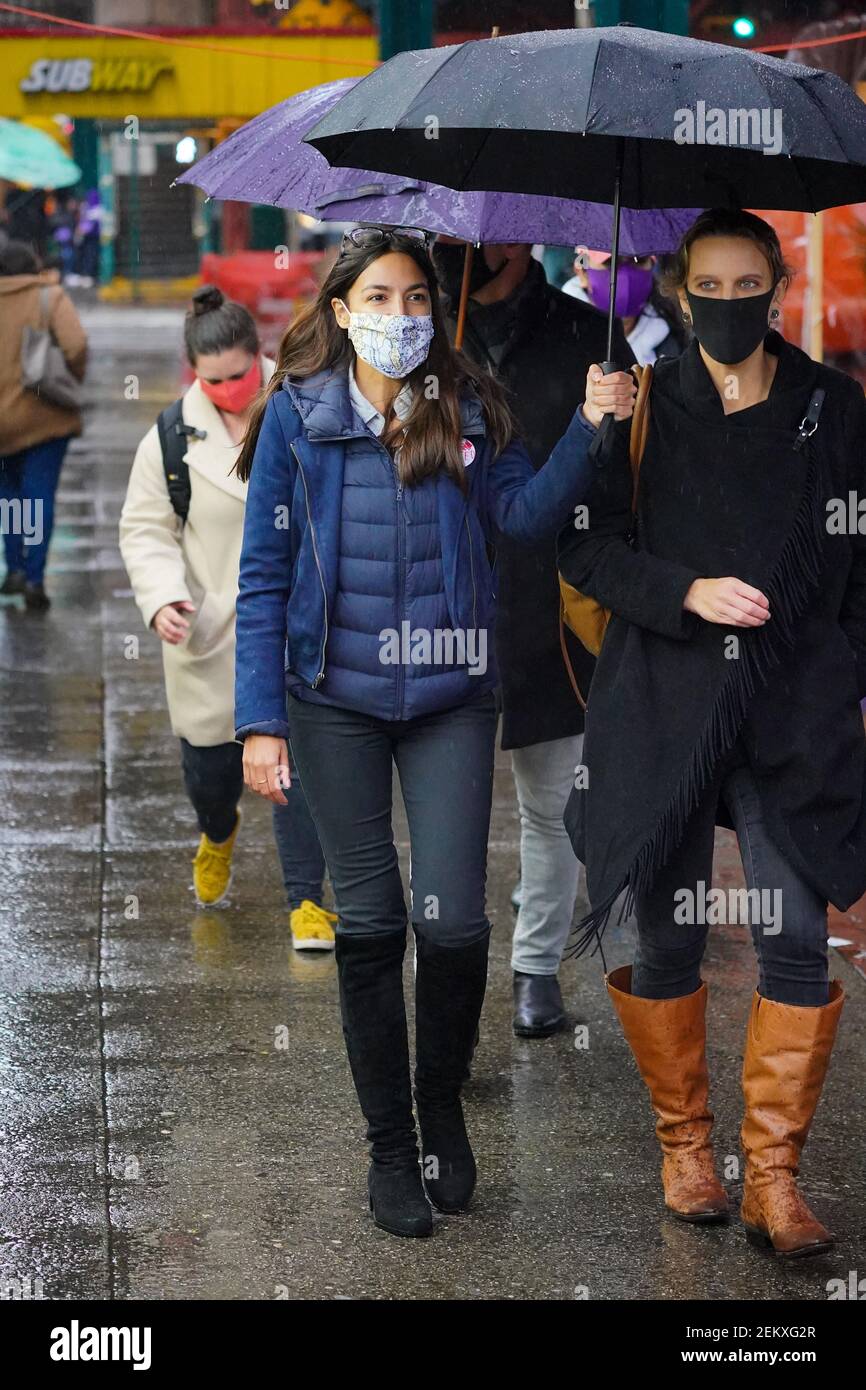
<point>598,450</point>
<point>464,296</point>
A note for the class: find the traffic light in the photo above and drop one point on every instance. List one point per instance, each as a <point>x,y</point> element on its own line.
<point>743,27</point>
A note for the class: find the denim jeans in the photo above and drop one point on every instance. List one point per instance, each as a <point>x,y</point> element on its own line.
<point>214,782</point>
<point>788,923</point>
<point>550,876</point>
<point>30,478</point>
<point>445,765</point>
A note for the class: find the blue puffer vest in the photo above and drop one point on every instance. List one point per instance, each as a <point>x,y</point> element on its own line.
<point>362,593</point>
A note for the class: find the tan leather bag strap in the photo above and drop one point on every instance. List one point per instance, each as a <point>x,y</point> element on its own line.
<point>636,446</point>
<point>567,659</point>
<point>639,428</point>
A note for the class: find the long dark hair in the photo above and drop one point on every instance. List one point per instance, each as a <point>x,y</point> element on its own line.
<point>432,432</point>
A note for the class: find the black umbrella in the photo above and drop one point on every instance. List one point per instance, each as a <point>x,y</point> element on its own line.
<point>619,115</point>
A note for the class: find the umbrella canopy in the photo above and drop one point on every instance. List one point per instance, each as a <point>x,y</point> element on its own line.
<point>619,115</point>
<point>29,156</point>
<point>267,161</point>
<point>695,122</point>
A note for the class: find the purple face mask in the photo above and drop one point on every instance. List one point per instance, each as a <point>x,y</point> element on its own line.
<point>633,286</point>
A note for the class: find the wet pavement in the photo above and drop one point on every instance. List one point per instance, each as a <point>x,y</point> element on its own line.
<point>160,1143</point>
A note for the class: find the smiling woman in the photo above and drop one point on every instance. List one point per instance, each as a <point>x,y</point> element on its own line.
<point>395,464</point>
<point>386,278</point>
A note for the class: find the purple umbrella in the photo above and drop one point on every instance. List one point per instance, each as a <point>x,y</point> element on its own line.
<point>266,161</point>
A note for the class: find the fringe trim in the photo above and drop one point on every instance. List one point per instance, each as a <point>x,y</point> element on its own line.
<point>792,584</point>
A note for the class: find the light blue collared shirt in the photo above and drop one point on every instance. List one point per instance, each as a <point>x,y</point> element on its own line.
<point>366,411</point>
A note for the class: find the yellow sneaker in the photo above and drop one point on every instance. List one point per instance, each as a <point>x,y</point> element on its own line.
<point>312,927</point>
<point>212,868</point>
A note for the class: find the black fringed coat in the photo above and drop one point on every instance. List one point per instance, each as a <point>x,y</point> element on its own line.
<point>727,496</point>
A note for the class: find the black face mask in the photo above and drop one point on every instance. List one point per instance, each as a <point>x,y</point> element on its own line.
<point>730,329</point>
<point>448,263</point>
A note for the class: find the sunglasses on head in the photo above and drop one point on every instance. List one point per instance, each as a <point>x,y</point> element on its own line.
<point>366,237</point>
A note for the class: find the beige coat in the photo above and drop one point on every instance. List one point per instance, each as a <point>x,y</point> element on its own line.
<point>198,562</point>
<point>25,417</point>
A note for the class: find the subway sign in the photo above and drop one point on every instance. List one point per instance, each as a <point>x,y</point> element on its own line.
<point>93,75</point>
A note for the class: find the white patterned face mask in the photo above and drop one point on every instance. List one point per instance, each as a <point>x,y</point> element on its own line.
<point>395,344</point>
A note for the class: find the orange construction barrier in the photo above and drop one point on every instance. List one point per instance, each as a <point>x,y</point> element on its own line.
<point>844,281</point>
<point>273,286</point>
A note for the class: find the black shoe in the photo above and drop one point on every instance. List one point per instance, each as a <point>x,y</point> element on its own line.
<point>397,1199</point>
<point>13,583</point>
<point>35,598</point>
<point>538,1006</point>
<point>370,971</point>
<point>449,991</point>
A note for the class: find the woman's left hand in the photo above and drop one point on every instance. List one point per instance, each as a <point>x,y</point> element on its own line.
<point>266,767</point>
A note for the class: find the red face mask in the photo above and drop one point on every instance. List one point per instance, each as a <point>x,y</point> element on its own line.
<point>234,396</point>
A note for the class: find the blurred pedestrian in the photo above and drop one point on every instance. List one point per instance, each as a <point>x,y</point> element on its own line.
<point>34,430</point>
<point>728,692</point>
<point>180,537</point>
<point>86,239</point>
<point>393,463</point>
<point>651,322</point>
<point>540,344</point>
<point>64,221</point>
<point>26,219</point>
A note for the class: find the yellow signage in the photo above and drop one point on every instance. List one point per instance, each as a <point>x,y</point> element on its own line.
<point>92,75</point>
<point>216,77</point>
<point>325,14</point>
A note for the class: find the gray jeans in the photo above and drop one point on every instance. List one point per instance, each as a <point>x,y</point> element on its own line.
<point>551,877</point>
<point>786,917</point>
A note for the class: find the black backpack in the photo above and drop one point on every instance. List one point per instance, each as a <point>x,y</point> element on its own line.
<point>173,434</point>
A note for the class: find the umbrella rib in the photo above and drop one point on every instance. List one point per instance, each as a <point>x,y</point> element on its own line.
<point>475,158</point>
<point>458,49</point>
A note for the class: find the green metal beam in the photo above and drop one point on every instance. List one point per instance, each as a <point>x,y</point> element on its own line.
<point>668,16</point>
<point>404,25</point>
<point>85,150</point>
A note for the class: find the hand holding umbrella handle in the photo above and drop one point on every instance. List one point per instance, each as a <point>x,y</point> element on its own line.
<point>601,445</point>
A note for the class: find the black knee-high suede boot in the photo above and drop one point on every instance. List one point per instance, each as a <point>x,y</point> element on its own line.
<point>449,991</point>
<point>370,970</point>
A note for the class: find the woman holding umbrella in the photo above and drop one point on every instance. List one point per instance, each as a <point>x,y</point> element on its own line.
<point>728,688</point>
<point>381,467</point>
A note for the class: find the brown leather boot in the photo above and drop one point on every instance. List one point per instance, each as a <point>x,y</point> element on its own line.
<point>787,1053</point>
<point>667,1037</point>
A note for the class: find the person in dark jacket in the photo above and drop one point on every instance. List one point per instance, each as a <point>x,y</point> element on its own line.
<point>540,344</point>
<point>381,467</point>
<point>728,688</point>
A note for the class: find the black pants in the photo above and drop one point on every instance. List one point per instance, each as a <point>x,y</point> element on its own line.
<point>445,765</point>
<point>786,917</point>
<point>214,781</point>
